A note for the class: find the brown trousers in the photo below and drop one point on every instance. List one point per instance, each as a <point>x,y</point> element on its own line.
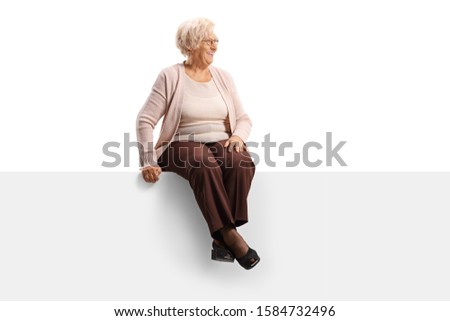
<point>220,180</point>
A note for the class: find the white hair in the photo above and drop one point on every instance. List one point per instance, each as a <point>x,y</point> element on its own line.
<point>191,32</point>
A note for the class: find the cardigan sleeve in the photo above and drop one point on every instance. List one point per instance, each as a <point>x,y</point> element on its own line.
<point>153,110</point>
<point>243,122</point>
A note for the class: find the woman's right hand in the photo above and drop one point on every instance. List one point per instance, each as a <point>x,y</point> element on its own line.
<point>151,173</point>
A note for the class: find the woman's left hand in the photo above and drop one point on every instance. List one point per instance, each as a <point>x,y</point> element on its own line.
<point>236,143</point>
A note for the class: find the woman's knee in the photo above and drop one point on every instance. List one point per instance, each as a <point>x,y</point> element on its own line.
<point>201,158</point>
<point>239,161</point>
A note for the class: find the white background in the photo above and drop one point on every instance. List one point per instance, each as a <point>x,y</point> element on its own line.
<point>74,75</point>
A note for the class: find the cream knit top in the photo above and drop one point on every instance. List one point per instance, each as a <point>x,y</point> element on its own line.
<point>204,116</point>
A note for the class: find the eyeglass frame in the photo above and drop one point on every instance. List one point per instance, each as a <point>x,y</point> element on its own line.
<point>211,41</point>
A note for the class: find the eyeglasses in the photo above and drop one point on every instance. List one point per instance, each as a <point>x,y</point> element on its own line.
<point>211,41</point>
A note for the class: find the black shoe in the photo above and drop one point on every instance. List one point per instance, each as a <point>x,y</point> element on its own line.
<point>221,253</point>
<point>249,260</point>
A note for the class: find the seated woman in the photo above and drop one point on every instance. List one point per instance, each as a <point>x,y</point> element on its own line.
<point>202,139</point>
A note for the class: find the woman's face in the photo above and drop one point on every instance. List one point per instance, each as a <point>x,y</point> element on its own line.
<point>204,54</point>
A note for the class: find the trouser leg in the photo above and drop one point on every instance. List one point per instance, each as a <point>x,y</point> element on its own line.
<point>195,162</point>
<point>238,171</point>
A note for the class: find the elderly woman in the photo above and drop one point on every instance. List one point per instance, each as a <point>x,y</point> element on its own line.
<point>202,139</point>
